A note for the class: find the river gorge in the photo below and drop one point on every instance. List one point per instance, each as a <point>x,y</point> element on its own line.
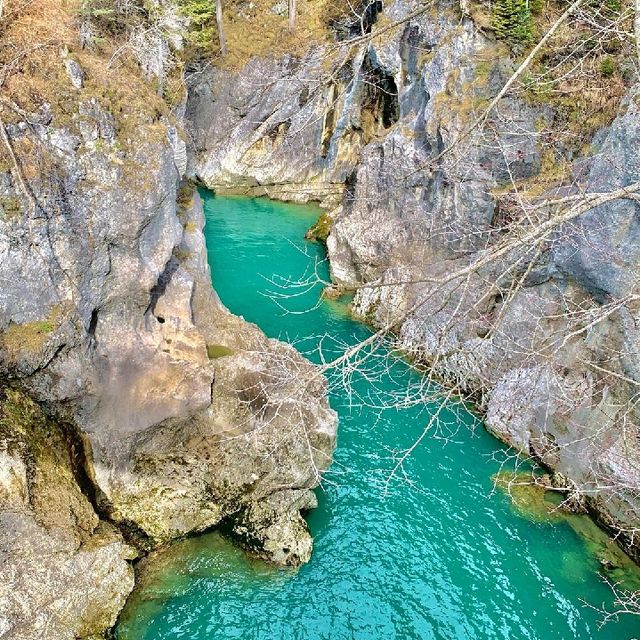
<point>435,553</point>
<point>319,319</point>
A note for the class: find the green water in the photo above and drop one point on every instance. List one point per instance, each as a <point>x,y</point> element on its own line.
<point>434,553</point>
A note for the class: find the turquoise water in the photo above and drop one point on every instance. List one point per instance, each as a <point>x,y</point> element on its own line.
<point>430,553</point>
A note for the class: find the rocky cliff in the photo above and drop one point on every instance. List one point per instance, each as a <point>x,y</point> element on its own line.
<point>431,186</point>
<point>135,408</point>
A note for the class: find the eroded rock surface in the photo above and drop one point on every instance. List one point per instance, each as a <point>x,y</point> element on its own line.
<point>182,415</point>
<point>63,573</point>
<point>556,383</point>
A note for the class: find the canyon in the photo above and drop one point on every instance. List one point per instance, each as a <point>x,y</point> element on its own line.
<point>137,410</point>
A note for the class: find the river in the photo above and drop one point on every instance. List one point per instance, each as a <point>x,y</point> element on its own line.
<point>432,552</point>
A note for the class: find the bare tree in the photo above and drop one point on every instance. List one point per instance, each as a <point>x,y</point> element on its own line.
<point>293,14</point>
<point>220,23</point>
<point>624,603</point>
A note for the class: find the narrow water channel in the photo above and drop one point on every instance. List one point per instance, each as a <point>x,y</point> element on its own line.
<point>434,554</point>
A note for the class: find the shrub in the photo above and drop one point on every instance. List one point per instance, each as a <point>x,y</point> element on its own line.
<point>202,31</point>
<point>607,67</point>
<point>111,17</point>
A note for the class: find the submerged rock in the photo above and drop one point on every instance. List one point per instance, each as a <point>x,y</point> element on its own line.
<point>534,498</point>
<point>274,528</point>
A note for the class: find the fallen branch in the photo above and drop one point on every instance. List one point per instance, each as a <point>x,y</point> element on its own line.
<point>16,171</point>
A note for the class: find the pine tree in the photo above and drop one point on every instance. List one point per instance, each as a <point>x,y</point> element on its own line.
<point>512,22</point>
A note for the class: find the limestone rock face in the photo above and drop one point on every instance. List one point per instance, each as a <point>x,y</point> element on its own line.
<point>601,250</point>
<point>63,573</point>
<point>401,212</point>
<point>183,415</point>
<point>280,128</point>
<point>257,131</point>
<point>404,221</point>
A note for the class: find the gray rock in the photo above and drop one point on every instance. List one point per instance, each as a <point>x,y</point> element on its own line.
<point>179,147</point>
<point>187,414</point>
<point>280,8</point>
<point>75,73</point>
<point>601,250</point>
<point>63,574</point>
<point>244,136</point>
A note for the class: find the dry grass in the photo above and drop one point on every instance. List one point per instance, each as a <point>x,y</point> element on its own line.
<point>568,75</point>
<point>31,337</point>
<point>36,37</point>
<point>258,31</point>
<point>581,74</point>
<point>30,44</point>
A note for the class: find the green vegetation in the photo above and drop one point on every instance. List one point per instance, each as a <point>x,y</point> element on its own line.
<point>607,67</point>
<point>529,496</point>
<point>538,86</point>
<point>533,498</point>
<point>182,255</point>
<point>610,6</point>
<point>215,351</point>
<point>46,447</point>
<point>19,417</point>
<point>321,229</point>
<point>203,36</point>
<point>512,21</point>
<point>184,198</point>
<point>109,17</point>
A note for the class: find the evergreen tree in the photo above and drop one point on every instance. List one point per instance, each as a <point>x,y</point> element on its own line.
<point>512,22</point>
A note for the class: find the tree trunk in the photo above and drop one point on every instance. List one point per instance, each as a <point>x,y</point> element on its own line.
<point>220,22</point>
<point>293,11</point>
<point>636,28</point>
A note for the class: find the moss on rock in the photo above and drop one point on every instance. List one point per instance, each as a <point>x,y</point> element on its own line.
<point>532,497</point>
<point>215,351</point>
<point>11,207</point>
<point>320,231</point>
<point>31,337</point>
